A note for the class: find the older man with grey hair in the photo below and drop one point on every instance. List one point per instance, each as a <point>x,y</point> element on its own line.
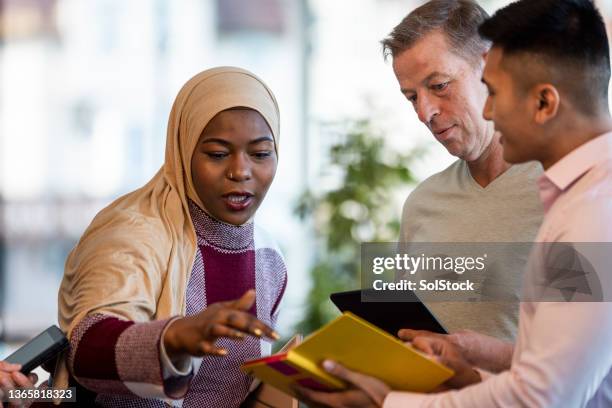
<point>438,61</point>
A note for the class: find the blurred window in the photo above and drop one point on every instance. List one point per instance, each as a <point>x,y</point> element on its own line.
<point>236,16</point>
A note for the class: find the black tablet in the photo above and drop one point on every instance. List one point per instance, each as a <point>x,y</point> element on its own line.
<point>39,350</point>
<point>390,316</point>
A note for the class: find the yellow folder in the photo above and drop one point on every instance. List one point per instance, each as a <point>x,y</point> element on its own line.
<point>359,346</point>
<point>267,396</point>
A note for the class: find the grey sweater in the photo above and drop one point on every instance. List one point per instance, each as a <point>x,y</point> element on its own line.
<point>451,207</point>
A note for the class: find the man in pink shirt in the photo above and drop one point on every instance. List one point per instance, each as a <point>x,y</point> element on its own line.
<point>547,75</point>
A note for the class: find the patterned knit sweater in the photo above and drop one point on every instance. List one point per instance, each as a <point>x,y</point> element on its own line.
<point>121,361</point>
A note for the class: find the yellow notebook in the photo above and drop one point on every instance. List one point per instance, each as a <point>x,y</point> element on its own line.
<point>359,346</point>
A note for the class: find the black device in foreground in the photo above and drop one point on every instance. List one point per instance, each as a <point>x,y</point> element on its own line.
<point>391,316</point>
<point>39,350</point>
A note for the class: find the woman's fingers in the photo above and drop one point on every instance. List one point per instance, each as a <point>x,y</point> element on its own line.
<point>6,383</point>
<point>6,380</point>
<point>229,319</point>
<point>207,348</point>
<point>235,315</point>
<point>8,367</point>
<point>22,381</point>
<point>33,378</point>
<point>220,330</point>
<point>245,302</point>
<point>248,323</point>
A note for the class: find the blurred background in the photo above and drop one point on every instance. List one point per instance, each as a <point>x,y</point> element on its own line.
<point>85,91</point>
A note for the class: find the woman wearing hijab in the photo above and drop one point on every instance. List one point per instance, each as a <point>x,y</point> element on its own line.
<point>172,286</point>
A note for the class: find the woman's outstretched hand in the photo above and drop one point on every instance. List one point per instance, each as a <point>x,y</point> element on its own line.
<point>196,335</point>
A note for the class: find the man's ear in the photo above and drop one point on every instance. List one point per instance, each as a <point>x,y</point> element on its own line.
<point>547,100</point>
<point>483,60</point>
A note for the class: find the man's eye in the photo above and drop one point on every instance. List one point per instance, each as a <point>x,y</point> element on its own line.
<point>263,154</point>
<point>412,98</point>
<point>216,155</point>
<point>440,87</point>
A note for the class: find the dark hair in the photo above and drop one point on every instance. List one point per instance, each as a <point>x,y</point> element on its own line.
<point>458,19</point>
<point>568,37</point>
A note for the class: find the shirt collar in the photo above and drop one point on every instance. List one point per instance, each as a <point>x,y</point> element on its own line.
<point>579,161</point>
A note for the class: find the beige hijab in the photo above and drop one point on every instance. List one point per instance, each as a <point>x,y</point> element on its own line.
<point>134,260</point>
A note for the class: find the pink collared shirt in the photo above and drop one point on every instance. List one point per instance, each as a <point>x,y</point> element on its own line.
<point>563,352</point>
